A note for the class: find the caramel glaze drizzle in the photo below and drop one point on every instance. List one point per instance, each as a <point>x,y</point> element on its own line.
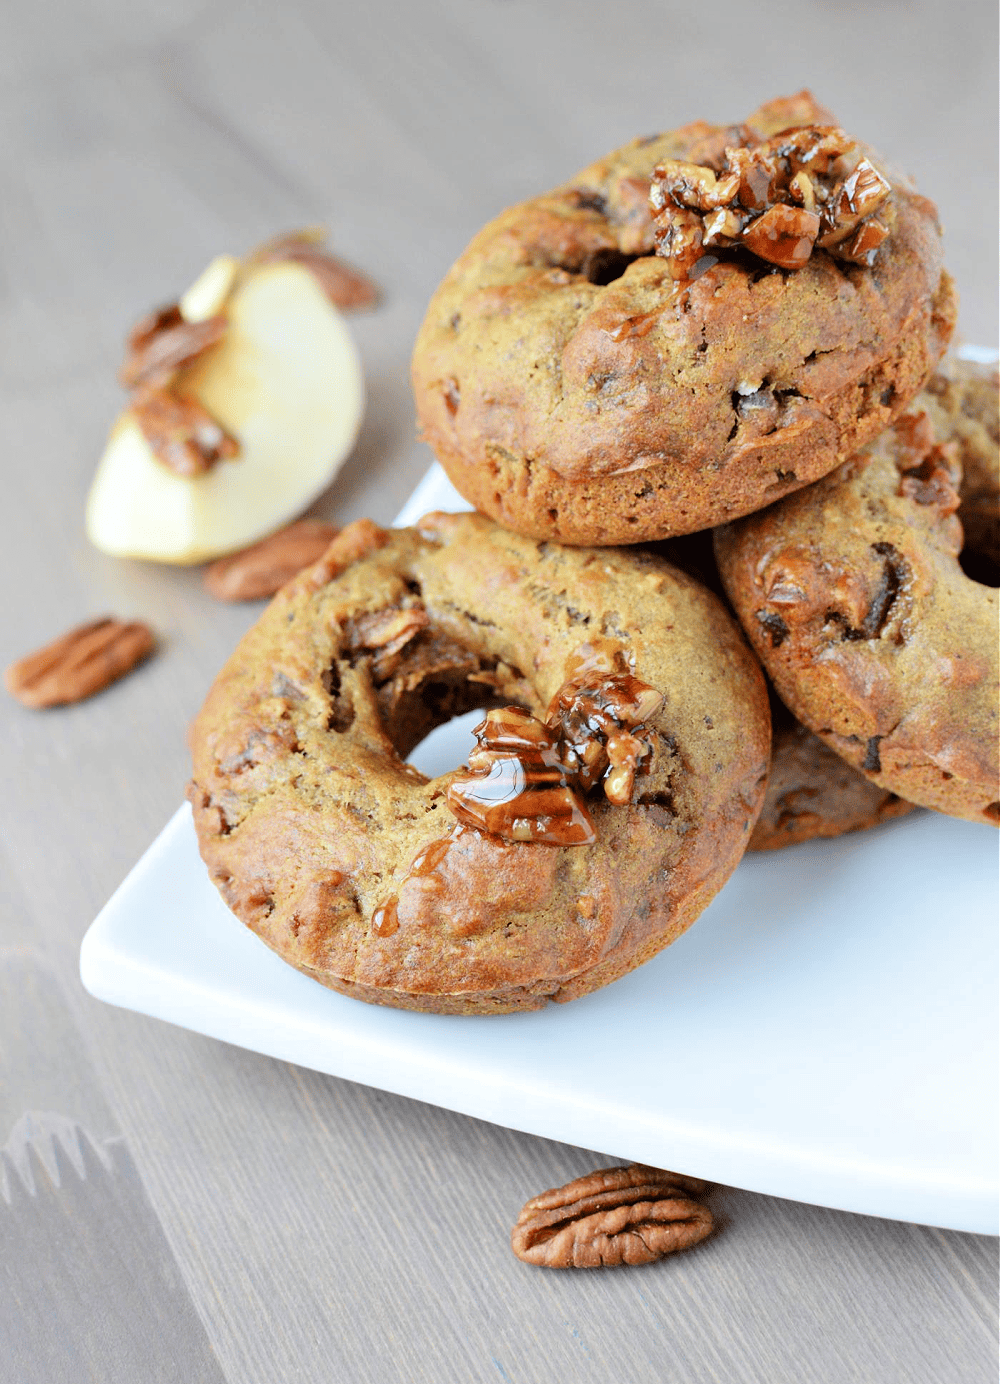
<point>527,778</point>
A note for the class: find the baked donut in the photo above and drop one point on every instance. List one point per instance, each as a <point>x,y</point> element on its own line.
<point>853,596</point>
<point>615,785</point>
<point>614,362</point>
<point>962,399</point>
<point>812,793</point>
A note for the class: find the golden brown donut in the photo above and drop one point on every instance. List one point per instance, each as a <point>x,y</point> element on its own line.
<point>600,813</point>
<point>812,792</point>
<point>853,597</point>
<point>961,400</point>
<point>573,388</point>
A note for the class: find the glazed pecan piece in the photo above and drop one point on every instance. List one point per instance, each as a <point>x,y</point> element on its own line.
<point>162,341</point>
<point>614,1216</point>
<point>599,714</point>
<point>81,662</point>
<point>181,434</point>
<point>263,568</point>
<point>777,198</point>
<point>528,778</point>
<point>518,787</point>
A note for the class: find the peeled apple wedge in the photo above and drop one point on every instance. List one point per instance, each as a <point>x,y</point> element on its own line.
<point>285,381</point>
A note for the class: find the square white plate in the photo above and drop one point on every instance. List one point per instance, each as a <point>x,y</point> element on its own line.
<point>827,1031</point>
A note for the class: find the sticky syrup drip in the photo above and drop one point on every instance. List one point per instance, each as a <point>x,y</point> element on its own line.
<point>385,920</point>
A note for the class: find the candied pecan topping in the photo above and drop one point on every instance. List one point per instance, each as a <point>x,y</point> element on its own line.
<point>614,1216</point>
<point>518,787</point>
<point>181,434</point>
<point>162,341</point>
<point>809,186</point>
<point>81,662</point>
<point>528,778</point>
<point>599,700</point>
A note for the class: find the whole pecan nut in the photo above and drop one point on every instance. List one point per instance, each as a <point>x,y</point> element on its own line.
<point>613,1216</point>
<point>260,570</point>
<point>83,661</point>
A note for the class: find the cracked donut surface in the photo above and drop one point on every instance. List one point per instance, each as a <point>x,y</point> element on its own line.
<point>575,388</point>
<point>853,596</point>
<point>640,714</point>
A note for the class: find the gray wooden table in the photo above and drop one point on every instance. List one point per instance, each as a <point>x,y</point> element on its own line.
<point>175,1209</point>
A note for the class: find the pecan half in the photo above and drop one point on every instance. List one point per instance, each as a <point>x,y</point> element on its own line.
<point>83,661</point>
<point>260,570</point>
<point>809,186</point>
<point>162,341</point>
<point>181,434</point>
<point>346,287</point>
<point>613,1216</point>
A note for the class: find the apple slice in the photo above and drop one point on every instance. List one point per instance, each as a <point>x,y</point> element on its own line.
<point>285,381</point>
<point>208,294</point>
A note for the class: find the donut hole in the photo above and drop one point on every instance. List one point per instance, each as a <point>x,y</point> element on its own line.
<point>605,265</point>
<point>432,682</point>
<point>979,567</point>
<point>447,746</point>
<point>414,713</point>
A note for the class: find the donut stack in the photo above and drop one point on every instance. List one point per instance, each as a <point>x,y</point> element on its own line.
<point>718,329</point>
<point>704,323</point>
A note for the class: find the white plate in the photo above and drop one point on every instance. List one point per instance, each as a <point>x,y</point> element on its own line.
<point>827,1030</point>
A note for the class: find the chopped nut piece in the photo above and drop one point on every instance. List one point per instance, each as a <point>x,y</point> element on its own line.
<point>783,236</point>
<point>807,186</point>
<point>181,434</point>
<point>346,287</point>
<point>83,661</point>
<point>517,787</point>
<point>386,633</point>
<point>527,778</point>
<point>860,195</point>
<point>625,753</point>
<point>262,569</point>
<point>162,341</point>
<point>614,1216</point>
<point>862,246</point>
<point>599,700</point>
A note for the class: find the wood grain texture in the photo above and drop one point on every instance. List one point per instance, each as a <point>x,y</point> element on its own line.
<point>322,1230</point>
